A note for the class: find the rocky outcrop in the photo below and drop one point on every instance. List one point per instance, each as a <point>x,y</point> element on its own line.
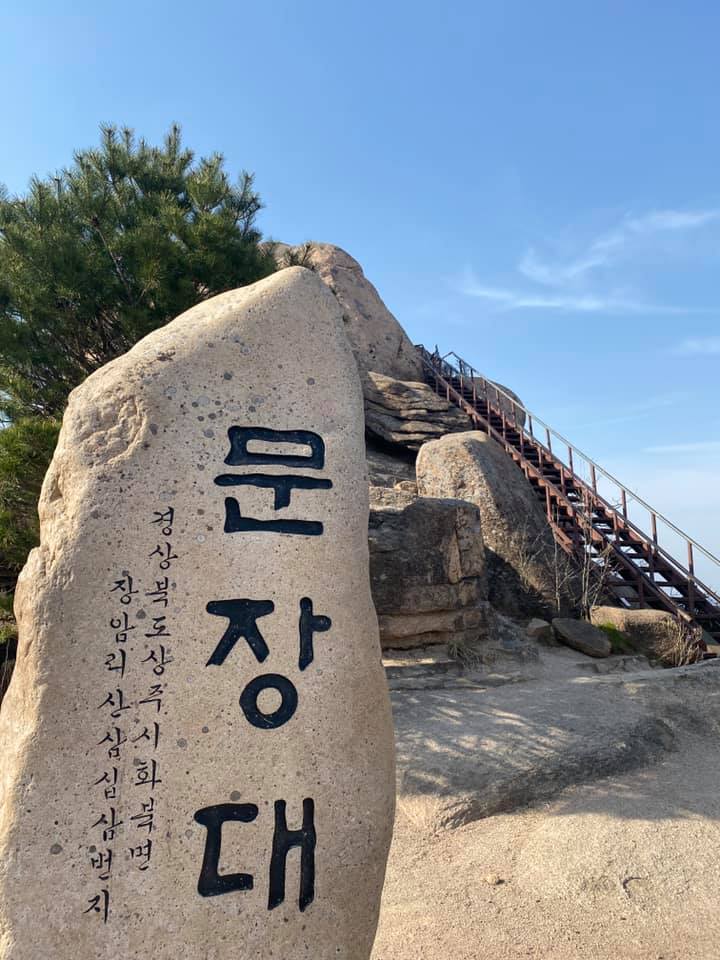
<point>582,636</point>
<point>377,339</point>
<point>427,570</point>
<point>525,572</point>
<point>408,414</point>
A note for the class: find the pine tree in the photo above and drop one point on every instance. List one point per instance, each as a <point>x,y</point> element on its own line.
<point>91,260</point>
<point>26,448</point>
<point>118,244</point>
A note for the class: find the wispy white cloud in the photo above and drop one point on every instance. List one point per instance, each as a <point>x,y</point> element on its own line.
<point>612,244</point>
<point>698,346</point>
<point>563,284</point>
<point>513,299</point>
<point>701,446</point>
<point>634,411</point>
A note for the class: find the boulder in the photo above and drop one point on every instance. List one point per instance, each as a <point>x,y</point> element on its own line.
<point>199,694</point>
<point>647,630</point>
<point>408,414</point>
<point>582,636</point>
<point>539,630</point>
<point>525,570</point>
<point>506,403</point>
<point>378,341</point>
<point>427,570</point>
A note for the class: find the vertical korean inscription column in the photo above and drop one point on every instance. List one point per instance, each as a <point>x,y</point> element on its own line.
<point>122,744</point>
<point>106,788</point>
<point>243,614</point>
<point>157,634</point>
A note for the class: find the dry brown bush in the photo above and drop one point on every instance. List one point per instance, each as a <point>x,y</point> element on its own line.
<point>681,645</point>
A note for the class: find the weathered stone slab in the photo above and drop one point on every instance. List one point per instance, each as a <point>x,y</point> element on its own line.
<point>196,746</point>
<point>408,414</point>
<point>582,636</point>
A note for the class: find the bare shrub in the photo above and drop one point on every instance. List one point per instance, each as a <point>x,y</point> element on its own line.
<point>299,256</point>
<point>681,645</point>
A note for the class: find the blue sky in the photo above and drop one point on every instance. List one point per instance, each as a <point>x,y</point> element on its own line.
<point>535,185</point>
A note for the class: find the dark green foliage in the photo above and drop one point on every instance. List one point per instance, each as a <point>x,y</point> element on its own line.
<point>26,448</point>
<point>8,631</point>
<point>126,239</point>
<point>91,260</point>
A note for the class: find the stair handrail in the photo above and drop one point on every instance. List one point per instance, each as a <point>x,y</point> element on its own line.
<point>435,362</point>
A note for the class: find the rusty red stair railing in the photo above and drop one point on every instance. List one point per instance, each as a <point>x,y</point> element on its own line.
<point>592,514</point>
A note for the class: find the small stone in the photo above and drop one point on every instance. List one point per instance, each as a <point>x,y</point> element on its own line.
<point>539,630</point>
<point>582,636</point>
<point>493,880</point>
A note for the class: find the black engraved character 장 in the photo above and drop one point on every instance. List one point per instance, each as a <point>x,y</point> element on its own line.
<point>242,615</point>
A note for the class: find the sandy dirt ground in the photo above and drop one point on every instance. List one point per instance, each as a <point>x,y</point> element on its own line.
<point>625,867</point>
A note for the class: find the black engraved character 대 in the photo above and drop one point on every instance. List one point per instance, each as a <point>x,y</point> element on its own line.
<point>211,883</point>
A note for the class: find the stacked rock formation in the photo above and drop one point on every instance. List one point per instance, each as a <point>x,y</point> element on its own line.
<point>427,566</point>
<point>408,414</point>
<point>523,576</point>
<point>378,342</point>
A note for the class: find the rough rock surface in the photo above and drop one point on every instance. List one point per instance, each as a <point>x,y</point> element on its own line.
<point>391,469</point>
<point>408,414</point>
<point>525,571</point>
<point>540,630</point>
<point>612,867</point>
<point>647,629</point>
<point>377,339</point>
<point>582,636</point>
<point>146,433</point>
<point>525,742</point>
<point>427,569</point>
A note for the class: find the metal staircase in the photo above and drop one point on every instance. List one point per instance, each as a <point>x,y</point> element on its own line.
<point>592,514</point>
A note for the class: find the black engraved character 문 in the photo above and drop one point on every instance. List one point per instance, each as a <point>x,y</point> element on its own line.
<point>281,485</point>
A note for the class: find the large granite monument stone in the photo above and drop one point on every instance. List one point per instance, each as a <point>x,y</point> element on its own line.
<point>197,752</point>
